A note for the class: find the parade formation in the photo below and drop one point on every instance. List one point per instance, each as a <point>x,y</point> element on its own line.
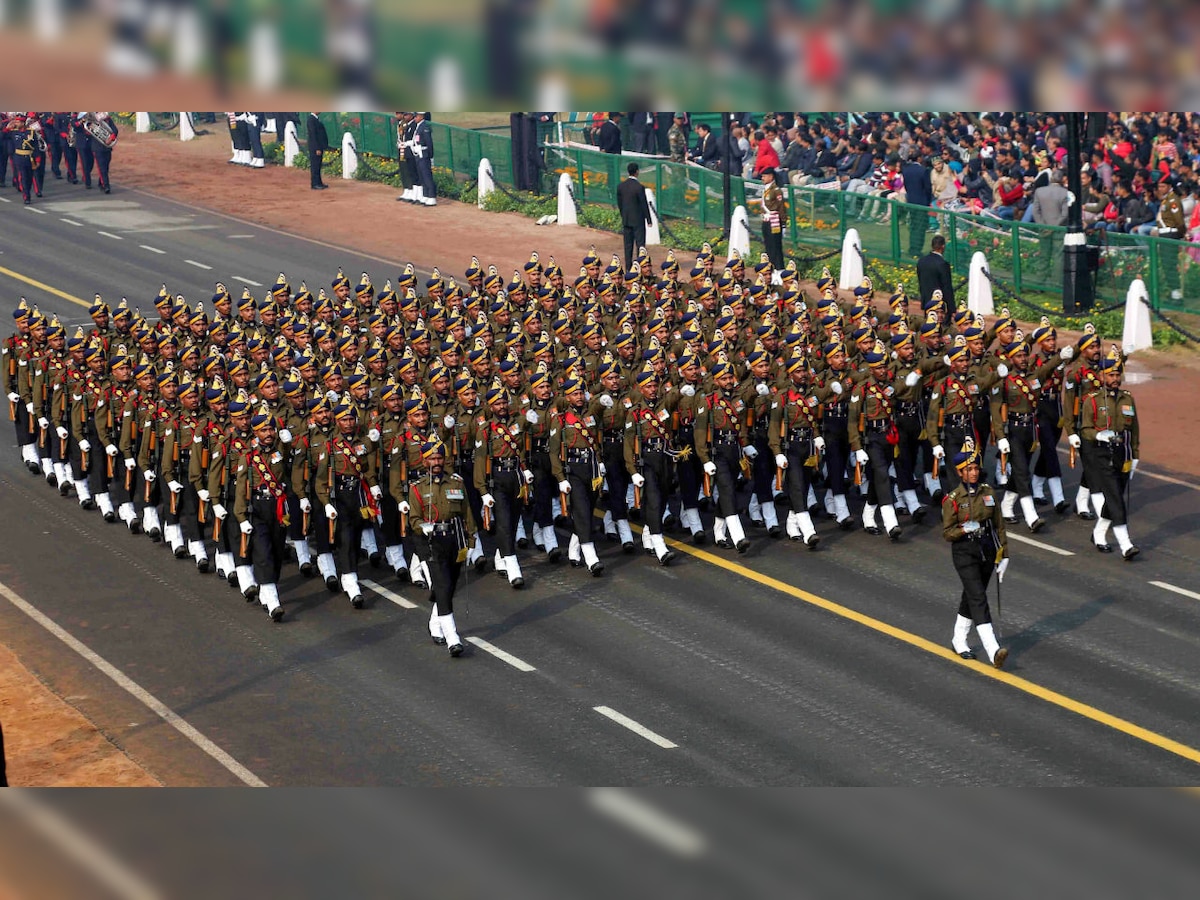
<point>83,141</point>
<point>437,424</point>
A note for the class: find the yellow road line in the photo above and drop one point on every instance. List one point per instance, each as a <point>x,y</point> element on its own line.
<point>45,287</point>
<point>1036,690</point>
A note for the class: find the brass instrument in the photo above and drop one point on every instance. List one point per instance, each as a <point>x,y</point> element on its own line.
<point>98,128</point>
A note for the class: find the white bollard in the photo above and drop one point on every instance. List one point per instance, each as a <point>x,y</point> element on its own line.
<point>487,184</point>
<point>349,157</point>
<point>979,288</point>
<point>47,20</point>
<point>186,131</point>
<point>851,275</point>
<point>188,41</point>
<point>1137,334</point>
<point>141,122</point>
<point>739,231</point>
<point>566,206</point>
<point>653,238</point>
<point>266,57</point>
<point>291,147</point>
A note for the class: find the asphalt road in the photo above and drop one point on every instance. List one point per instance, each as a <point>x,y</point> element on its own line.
<point>782,667</point>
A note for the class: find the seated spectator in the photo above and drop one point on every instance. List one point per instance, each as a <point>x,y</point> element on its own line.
<point>1009,196</point>
<point>765,156</point>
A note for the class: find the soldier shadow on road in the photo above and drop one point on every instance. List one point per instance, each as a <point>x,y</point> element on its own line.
<point>1050,626</point>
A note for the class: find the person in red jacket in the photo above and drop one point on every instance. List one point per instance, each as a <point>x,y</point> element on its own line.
<point>766,157</point>
<point>1009,194</point>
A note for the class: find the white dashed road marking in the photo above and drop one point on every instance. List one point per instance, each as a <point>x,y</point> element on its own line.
<point>635,727</point>
<point>198,265</point>
<point>518,664</point>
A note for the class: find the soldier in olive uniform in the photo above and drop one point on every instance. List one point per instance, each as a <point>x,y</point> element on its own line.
<point>502,475</point>
<point>972,523</point>
<point>1077,383</point>
<point>180,442</point>
<point>224,459</point>
<point>721,443</point>
<point>1109,435</point>
<point>796,444</point>
<point>774,206</point>
<point>440,514</point>
<point>871,428</point>
<point>261,509</point>
<point>576,465</point>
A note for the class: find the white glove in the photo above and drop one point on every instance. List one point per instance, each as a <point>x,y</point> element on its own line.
<point>912,378</point>
<point>762,390</point>
<point>203,495</point>
<point>564,487</point>
<point>638,479</point>
<point>1001,568</point>
<point>1003,446</point>
<point>688,390</point>
<point>1074,440</point>
<point>330,512</point>
<point>939,451</point>
<point>606,401</point>
<point>1132,467</point>
<point>528,476</point>
<point>710,468</point>
<point>285,436</point>
<point>111,449</point>
<point>148,475</point>
<point>219,511</point>
<point>946,360</point>
<point>819,443</point>
<point>62,433</point>
<point>174,487</point>
<point>403,507</point>
<point>488,500</point>
<point>970,527</point>
<point>531,416</point>
<point>603,470</point>
<point>1066,352</point>
<point>131,464</point>
<point>427,528</point>
<point>43,422</point>
<point>85,445</point>
<point>836,387</point>
<point>305,505</point>
<point>1002,370</point>
<point>373,435</point>
<point>861,456</point>
<point>781,460</point>
<point>749,451</point>
<point>448,421</point>
<point>376,491</point>
<point>1105,436</point>
<point>14,397</point>
<point>29,408</point>
<point>246,527</point>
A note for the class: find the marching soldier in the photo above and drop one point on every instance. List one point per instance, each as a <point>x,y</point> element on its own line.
<point>212,427</point>
<point>951,417</point>
<point>150,457</point>
<point>796,445</point>
<point>307,453</point>
<point>502,476</point>
<point>649,451</point>
<point>539,410</point>
<point>94,456</point>
<point>1077,383</point>
<point>832,388</point>
<point>346,485</point>
<point>972,523</point>
<point>873,435</point>
<point>1047,471</point>
<point>180,442</point>
<point>440,514</point>
<point>15,347</point>
<point>222,482</point>
<point>260,508</point>
<point>575,463</point>
<point>1108,440</point>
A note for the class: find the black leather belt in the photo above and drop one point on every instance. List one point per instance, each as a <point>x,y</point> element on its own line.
<point>506,464</point>
<point>582,455</point>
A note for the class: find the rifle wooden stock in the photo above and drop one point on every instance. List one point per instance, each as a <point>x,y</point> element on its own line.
<point>108,465</point>
<point>83,460</point>
<point>332,530</point>
<point>304,523</point>
<point>1071,456</point>
<point>637,497</point>
<point>174,504</point>
<point>129,481</point>
<point>201,517</point>
<point>936,466</point>
<point>217,531</point>
<point>12,411</point>
<point>487,518</point>
<point>857,472</point>
<point>562,504</point>
<point>778,480</point>
<point>42,438</point>
<point>242,544</point>
<point>707,485</point>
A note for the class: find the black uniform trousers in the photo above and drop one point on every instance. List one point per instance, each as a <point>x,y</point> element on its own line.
<point>880,455</point>
<point>441,550</point>
<point>635,237</point>
<point>424,167</point>
<point>23,173</point>
<point>582,499</point>
<point>86,158</point>
<point>267,541</point>
<point>1104,465</point>
<point>773,243</point>
<point>656,469</point>
<point>689,471</point>
<point>616,477</point>
<point>25,434</point>
<point>762,466</point>
<point>544,489</point>
<point>728,457</point>
<point>1021,439</point>
<point>954,434</point>
<point>506,490</point>
<point>315,158</point>
<point>909,426</point>
<point>55,144</point>
<point>1049,414</point>
<point>103,156</point>
<point>837,450</point>
<point>347,498</point>
<point>798,476</point>
<point>974,565</point>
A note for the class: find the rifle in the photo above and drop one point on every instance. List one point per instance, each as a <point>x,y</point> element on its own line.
<point>637,464</point>
<point>562,504</point>
<point>404,492</point>
<point>1071,456</point>
<point>242,544</point>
